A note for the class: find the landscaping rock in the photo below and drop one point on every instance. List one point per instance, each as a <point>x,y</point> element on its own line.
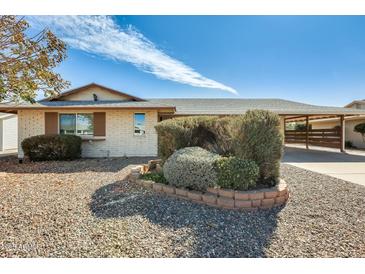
<point>228,193</point>
<point>157,187</point>
<point>168,189</point>
<point>209,198</point>
<point>87,208</point>
<point>195,195</point>
<point>242,204</point>
<point>225,202</point>
<point>181,192</point>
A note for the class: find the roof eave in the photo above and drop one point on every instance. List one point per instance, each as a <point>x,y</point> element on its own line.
<point>9,109</point>
<point>279,113</point>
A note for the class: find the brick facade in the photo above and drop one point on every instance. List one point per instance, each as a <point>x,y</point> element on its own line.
<point>119,140</point>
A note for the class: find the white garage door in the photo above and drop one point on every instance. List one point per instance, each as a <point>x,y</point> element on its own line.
<point>10,132</point>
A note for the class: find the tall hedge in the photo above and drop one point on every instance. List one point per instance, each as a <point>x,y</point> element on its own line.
<point>253,136</point>
<point>52,147</point>
<point>257,137</point>
<point>209,132</point>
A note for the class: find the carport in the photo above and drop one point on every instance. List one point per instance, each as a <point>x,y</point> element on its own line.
<point>325,137</point>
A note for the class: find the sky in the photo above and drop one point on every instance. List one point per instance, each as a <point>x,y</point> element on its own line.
<point>311,59</point>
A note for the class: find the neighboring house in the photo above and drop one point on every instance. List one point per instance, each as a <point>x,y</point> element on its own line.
<point>358,104</point>
<point>350,122</point>
<point>115,124</point>
<point>8,132</point>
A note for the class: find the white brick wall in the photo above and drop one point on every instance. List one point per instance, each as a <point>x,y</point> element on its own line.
<point>30,123</point>
<point>120,139</point>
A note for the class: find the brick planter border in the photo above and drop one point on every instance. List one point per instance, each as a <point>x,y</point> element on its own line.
<point>222,198</point>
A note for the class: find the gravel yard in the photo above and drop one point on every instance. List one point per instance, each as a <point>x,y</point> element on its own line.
<point>86,209</point>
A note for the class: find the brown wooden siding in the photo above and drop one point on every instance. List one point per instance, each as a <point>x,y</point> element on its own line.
<point>99,123</point>
<point>51,123</point>
<point>316,137</point>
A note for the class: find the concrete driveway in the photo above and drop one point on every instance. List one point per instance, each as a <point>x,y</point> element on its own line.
<point>345,166</point>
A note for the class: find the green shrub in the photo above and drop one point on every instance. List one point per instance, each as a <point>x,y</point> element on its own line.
<point>192,168</point>
<point>235,173</point>
<point>300,127</point>
<point>254,136</point>
<point>257,137</point>
<point>156,177</point>
<point>52,147</point>
<point>209,132</point>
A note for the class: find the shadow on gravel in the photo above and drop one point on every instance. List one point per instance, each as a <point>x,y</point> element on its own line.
<point>218,232</point>
<point>11,165</point>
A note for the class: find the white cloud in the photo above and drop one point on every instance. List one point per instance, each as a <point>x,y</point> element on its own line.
<point>102,36</point>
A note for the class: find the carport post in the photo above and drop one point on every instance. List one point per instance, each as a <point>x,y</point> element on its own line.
<point>306,131</point>
<point>342,133</point>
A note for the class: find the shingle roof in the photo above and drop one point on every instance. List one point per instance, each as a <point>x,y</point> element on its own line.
<point>239,106</point>
<point>197,106</point>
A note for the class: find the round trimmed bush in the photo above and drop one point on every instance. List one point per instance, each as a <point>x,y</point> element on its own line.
<point>236,173</point>
<point>192,168</point>
<point>52,147</point>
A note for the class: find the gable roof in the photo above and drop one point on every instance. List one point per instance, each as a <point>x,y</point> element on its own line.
<point>240,106</point>
<point>79,89</point>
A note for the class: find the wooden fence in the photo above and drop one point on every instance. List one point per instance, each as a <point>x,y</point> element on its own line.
<point>315,137</point>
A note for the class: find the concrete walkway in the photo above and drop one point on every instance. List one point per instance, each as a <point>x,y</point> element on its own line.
<point>346,166</point>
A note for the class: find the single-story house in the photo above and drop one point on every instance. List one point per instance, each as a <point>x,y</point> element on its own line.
<point>8,132</point>
<point>355,138</point>
<point>113,123</point>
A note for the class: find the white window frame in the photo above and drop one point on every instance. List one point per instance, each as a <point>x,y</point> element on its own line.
<point>134,124</point>
<point>74,113</point>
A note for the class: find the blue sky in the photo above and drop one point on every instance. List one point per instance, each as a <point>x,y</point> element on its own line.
<point>312,59</point>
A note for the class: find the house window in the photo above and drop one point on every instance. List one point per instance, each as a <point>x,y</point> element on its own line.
<point>139,124</point>
<point>78,124</point>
